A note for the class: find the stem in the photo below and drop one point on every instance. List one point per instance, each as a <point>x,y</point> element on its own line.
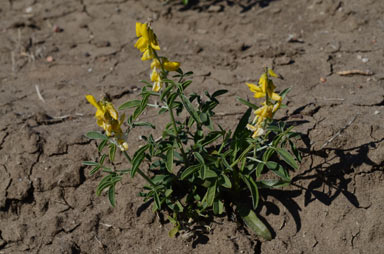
<point>243,154</point>
<point>140,172</point>
<point>180,145</point>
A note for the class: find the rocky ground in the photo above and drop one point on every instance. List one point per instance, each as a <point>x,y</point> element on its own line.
<point>53,52</point>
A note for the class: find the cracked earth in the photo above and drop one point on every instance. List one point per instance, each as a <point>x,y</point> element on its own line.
<point>53,52</point>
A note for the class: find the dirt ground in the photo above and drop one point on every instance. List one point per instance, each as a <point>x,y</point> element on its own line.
<point>53,52</point>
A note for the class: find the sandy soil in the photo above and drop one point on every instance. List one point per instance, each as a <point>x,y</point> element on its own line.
<point>66,49</point>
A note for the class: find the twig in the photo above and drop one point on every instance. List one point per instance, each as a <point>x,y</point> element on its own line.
<point>339,132</point>
<point>355,72</point>
<point>39,94</point>
<point>333,99</point>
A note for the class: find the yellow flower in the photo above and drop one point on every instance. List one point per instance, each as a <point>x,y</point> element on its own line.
<point>156,79</point>
<point>167,65</point>
<point>257,130</point>
<point>106,116</point>
<point>265,86</point>
<point>147,41</point>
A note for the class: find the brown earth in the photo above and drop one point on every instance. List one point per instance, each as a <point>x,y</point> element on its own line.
<point>66,49</point>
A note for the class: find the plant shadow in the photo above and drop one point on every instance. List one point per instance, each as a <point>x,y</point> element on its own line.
<point>245,5</point>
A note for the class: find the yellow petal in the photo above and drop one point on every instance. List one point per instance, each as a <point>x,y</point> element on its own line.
<point>155,64</point>
<point>139,28</point>
<point>147,55</point>
<point>272,73</point>
<point>141,44</point>
<point>156,86</point>
<point>112,111</point>
<point>155,76</point>
<point>276,97</point>
<point>93,101</point>
<point>171,66</point>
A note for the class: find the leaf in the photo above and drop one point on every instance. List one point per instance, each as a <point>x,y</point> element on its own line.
<point>226,183</point>
<point>247,103</point>
<point>285,92</point>
<point>166,91</point>
<point>111,195</point>
<point>96,135</point>
<point>218,207</point>
<point>102,145</point>
<point>112,152</point>
<point>169,164</point>
<point>219,92</point>
<point>211,192</point>
<point>172,233</point>
<point>253,222</point>
<point>94,170</point>
<point>157,202</point>
<point>199,157</point>
<point>90,163</point>
<point>190,170</point>
<point>252,188</point>
<point>278,170</point>
<point>189,107</point>
<point>209,173</point>
<point>138,157</point>
<point>135,124</point>
<point>130,104</point>
<point>287,157</point>
<point>242,124</point>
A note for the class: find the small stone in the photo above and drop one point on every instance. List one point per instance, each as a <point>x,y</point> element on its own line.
<point>57,29</point>
<point>376,112</point>
<point>49,59</point>
<point>215,8</point>
<point>323,80</point>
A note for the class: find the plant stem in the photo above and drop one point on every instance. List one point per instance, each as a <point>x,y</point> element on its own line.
<point>243,154</point>
<point>177,134</point>
<point>140,172</point>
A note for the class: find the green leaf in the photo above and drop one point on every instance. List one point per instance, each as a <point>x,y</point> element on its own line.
<point>111,195</point>
<point>225,182</point>
<point>190,170</point>
<point>102,145</point>
<point>252,188</point>
<point>241,127</point>
<point>253,222</point>
<point>138,157</point>
<point>218,207</point>
<point>94,170</point>
<point>166,91</point>
<point>247,103</point>
<point>96,135</point>
<point>90,163</point>
<point>112,152</point>
<point>157,204</point>
<point>169,164</point>
<point>130,104</point>
<point>209,173</point>
<point>199,157</point>
<point>211,192</point>
<point>219,92</point>
<point>135,124</point>
<point>172,233</point>
<point>287,157</point>
<point>285,92</point>
<point>189,107</point>
<point>278,170</point>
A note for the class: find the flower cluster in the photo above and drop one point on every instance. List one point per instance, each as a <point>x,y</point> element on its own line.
<point>108,119</point>
<point>265,88</point>
<point>148,44</point>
